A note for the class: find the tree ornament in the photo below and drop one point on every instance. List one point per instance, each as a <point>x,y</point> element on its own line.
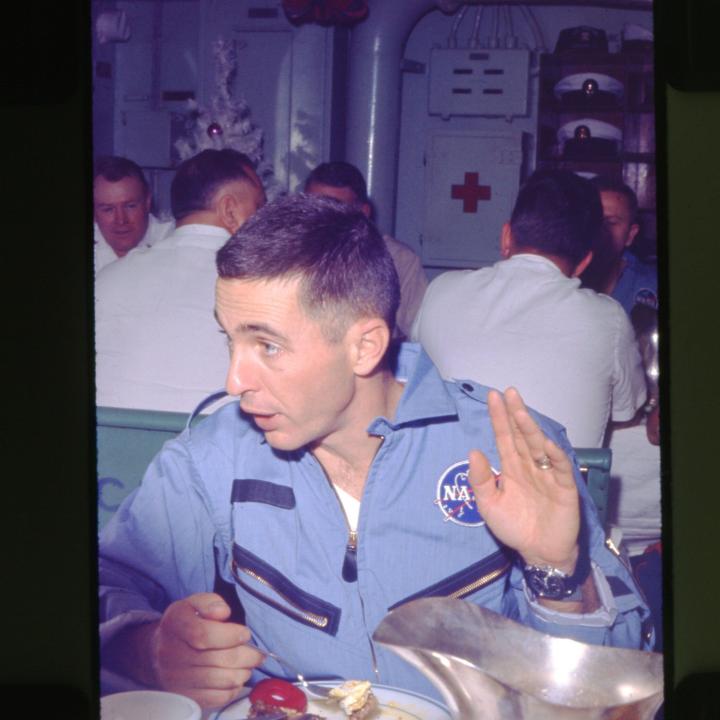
<point>326,12</point>
<point>214,130</point>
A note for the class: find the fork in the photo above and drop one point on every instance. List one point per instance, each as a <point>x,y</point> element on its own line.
<point>313,689</point>
<point>318,691</point>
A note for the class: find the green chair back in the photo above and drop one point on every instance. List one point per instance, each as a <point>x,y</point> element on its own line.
<point>595,467</point>
<point>127,440</point>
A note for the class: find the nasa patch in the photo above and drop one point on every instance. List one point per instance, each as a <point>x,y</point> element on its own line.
<point>647,297</point>
<point>455,497</point>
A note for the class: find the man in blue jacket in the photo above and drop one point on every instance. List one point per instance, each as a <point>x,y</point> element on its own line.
<point>347,480</point>
<point>615,269</point>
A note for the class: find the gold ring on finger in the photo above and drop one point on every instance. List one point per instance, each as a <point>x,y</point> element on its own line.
<point>544,463</point>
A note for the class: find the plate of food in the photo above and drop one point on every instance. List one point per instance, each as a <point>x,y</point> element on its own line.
<point>353,700</point>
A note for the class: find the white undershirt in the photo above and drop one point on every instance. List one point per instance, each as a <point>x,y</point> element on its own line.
<point>351,506</point>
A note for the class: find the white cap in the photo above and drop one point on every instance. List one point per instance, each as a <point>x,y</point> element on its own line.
<point>577,82</point>
<point>598,129</point>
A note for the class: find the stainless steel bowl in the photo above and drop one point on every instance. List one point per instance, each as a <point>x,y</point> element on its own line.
<point>491,668</point>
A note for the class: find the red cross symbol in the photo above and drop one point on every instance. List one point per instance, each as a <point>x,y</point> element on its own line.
<point>470,192</point>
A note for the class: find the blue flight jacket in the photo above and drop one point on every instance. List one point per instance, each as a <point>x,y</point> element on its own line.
<point>281,537</point>
<point>638,284</point>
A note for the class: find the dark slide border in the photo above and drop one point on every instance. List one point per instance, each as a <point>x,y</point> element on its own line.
<point>688,31</point>
<point>48,652</point>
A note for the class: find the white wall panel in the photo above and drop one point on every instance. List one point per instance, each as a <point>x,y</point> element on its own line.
<point>471,182</point>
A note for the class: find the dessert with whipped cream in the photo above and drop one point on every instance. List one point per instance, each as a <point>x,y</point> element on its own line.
<point>356,699</point>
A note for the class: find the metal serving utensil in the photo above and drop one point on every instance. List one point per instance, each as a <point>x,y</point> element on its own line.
<point>488,667</point>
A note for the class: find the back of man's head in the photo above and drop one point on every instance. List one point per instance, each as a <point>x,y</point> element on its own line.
<point>114,168</point>
<point>341,260</point>
<point>339,174</point>
<point>557,213</point>
<point>198,179</point>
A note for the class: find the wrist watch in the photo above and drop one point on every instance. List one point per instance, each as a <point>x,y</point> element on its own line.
<point>650,405</point>
<point>545,581</point>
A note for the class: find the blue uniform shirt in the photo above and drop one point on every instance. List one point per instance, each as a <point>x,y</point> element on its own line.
<point>636,284</point>
<point>280,535</point>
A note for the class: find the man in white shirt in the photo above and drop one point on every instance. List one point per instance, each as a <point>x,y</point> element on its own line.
<point>158,344</point>
<point>121,209</point>
<point>344,182</point>
<point>525,321</point>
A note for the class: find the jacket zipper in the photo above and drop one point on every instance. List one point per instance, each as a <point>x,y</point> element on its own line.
<point>480,582</point>
<point>320,621</point>
<point>350,561</point>
<point>349,569</point>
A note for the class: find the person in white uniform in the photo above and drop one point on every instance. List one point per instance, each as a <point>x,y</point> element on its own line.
<point>525,321</point>
<point>121,210</point>
<point>158,344</point>
<point>344,182</point>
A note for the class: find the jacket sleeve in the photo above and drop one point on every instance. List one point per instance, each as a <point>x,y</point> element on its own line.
<point>158,547</point>
<point>623,620</point>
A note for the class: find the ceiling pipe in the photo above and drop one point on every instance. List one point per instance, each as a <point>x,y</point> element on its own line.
<point>373,93</point>
<point>373,104</point>
<point>450,6</point>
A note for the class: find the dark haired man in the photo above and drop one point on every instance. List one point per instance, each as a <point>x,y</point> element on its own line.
<point>344,182</point>
<point>337,487</point>
<point>525,321</point>
<point>157,342</point>
<point>634,513</point>
<point>615,269</point>
<point>121,209</point>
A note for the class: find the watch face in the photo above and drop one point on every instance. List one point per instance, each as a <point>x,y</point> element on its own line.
<point>548,584</point>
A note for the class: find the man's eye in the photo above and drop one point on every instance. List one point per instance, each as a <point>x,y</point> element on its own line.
<point>270,349</point>
<point>131,206</point>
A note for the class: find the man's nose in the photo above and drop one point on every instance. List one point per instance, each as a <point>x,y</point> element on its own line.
<point>121,216</point>
<point>239,377</point>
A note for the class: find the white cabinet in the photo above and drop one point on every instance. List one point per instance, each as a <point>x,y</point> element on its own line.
<point>471,181</point>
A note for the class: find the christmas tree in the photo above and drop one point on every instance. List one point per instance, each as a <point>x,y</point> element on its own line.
<point>227,123</point>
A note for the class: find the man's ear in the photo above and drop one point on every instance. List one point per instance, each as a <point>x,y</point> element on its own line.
<point>148,201</point>
<point>368,341</point>
<point>632,234</point>
<point>580,267</point>
<point>366,209</point>
<point>229,212</point>
<point>506,241</point>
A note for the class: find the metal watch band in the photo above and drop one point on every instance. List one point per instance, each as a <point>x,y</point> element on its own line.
<point>552,584</point>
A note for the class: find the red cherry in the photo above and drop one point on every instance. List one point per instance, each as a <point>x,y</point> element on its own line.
<point>279,693</point>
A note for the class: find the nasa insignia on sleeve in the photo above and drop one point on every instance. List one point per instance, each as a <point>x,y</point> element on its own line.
<point>455,496</point>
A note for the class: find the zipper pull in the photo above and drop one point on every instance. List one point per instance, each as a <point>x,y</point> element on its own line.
<point>349,569</point>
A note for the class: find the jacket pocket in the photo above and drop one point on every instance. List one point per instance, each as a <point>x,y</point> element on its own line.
<point>466,581</point>
<point>256,576</point>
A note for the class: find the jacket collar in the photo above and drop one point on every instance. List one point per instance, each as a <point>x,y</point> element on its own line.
<point>425,396</point>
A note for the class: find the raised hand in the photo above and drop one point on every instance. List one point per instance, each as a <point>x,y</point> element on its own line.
<point>533,507</point>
